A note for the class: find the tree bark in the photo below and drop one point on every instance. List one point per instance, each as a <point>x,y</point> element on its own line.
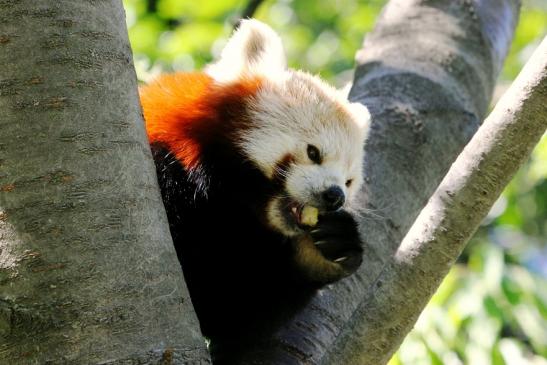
<point>450,218</point>
<point>88,273</point>
<point>426,73</point>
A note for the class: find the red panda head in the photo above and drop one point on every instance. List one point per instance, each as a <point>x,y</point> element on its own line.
<point>303,134</point>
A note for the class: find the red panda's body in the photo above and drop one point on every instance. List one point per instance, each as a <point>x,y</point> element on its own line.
<point>242,156</point>
<point>211,194</point>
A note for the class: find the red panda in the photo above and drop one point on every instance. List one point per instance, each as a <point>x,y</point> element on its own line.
<point>247,153</point>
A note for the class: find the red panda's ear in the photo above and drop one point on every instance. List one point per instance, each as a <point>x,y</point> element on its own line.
<point>361,117</point>
<point>253,50</point>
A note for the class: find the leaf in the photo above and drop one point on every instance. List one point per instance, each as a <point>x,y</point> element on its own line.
<point>492,308</point>
<point>511,291</point>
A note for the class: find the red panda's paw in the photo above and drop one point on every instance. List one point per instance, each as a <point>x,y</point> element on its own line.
<point>337,238</point>
<point>332,250</point>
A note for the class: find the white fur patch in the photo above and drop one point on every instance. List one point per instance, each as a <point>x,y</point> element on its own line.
<point>297,110</point>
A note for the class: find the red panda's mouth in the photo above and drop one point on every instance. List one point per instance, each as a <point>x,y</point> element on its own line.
<point>304,216</point>
<point>295,210</point>
<point>289,216</point>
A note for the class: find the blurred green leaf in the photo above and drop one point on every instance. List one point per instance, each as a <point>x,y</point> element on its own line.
<point>497,358</point>
<point>511,291</point>
<point>433,357</point>
<point>202,10</point>
<point>492,308</point>
<point>533,326</point>
<point>144,35</point>
<point>195,38</point>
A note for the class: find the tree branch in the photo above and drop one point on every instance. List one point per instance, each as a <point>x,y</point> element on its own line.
<point>248,12</point>
<point>452,215</point>
<point>152,6</point>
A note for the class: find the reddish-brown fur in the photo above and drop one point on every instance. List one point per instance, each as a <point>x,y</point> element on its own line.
<point>184,111</point>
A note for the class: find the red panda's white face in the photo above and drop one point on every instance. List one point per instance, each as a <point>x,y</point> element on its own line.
<point>304,135</point>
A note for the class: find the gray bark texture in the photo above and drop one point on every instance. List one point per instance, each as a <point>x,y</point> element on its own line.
<point>452,215</point>
<point>88,272</point>
<point>426,72</point>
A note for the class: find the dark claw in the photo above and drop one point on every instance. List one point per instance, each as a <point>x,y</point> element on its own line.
<point>337,238</point>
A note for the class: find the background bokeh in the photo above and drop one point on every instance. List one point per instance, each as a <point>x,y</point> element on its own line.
<point>492,307</point>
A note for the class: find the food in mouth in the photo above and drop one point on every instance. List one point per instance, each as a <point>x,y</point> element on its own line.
<point>305,215</point>
<point>309,216</point>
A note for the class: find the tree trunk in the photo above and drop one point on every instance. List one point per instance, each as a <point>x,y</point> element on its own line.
<point>426,73</point>
<point>88,273</point>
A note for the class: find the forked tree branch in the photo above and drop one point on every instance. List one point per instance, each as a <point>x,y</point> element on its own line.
<point>452,215</point>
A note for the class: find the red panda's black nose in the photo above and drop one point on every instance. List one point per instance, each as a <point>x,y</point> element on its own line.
<point>333,198</point>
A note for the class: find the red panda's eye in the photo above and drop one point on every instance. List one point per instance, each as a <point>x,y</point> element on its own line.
<point>348,182</point>
<point>313,154</point>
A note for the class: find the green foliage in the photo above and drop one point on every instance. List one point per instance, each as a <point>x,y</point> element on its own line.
<point>531,29</point>
<point>319,36</point>
<point>492,307</point>
<point>486,312</point>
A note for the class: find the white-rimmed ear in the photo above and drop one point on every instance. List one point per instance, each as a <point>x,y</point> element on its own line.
<point>361,117</point>
<point>254,49</point>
